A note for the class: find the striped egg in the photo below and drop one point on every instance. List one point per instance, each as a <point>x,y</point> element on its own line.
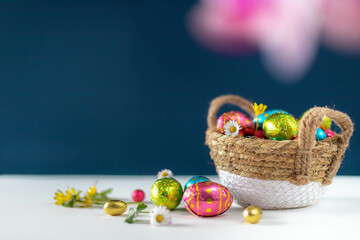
<point>240,118</point>
<point>207,199</point>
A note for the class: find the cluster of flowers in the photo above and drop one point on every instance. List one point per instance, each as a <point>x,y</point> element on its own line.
<point>232,128</point>
<point>159,216</point>
<point>72,198</point>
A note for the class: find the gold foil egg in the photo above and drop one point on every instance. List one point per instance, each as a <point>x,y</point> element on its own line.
<point>115,207</point>
<point>252,214</point>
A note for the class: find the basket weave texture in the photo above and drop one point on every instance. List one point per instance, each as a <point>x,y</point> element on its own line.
<point>298,161</point>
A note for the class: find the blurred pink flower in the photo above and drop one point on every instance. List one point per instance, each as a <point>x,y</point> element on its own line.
<point>229,26</point>
<point>289,45</point>
<point>341,24</point>
<point>286,32</point>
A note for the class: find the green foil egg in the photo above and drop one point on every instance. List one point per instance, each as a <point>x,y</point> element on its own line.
<point>326,123</point>
<point>166,192</point>
<point>280,126</point>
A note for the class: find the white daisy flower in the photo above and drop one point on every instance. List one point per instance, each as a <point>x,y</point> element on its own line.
<point>165,173</point>
<point>160,216</point>
<point>232,128</point>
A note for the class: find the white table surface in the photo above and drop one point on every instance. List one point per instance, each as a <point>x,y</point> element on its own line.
<point>27,211</point>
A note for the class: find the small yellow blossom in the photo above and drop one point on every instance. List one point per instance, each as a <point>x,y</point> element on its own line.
<point>87,201</point>
<point>92,190</point>
<point>70,193</point>
<point>259,109</point>
<point>59,197</point>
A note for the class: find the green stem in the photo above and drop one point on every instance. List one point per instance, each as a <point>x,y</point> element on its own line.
<point>133,202</point>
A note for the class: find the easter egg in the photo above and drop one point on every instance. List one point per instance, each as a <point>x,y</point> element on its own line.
<point>207,199</point>
<point>166,192</point>
<point>115,207</point>
<point>326,123</point>
<point>320,134</point>
<point>138,195</point>
<point>280,126</point>
<point>266,114</point>
<point>240,118</point>
<point>194,180</point>
<point>329,133</point>
<point>259,134</point>
<point>252,214</point>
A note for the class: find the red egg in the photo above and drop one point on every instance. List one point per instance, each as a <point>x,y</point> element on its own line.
<point>259,134</point>
<point>249,132</point>
<point>329,133</point>
<point>138,195</point>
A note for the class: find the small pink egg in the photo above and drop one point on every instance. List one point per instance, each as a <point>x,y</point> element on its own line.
<point>329,133</point>
<point>138,195</point>
<point>207,199</point>
<point>259,134</point>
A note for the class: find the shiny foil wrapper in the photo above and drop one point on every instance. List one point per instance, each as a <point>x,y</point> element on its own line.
<point>115,207</point>
<point>166,192</point>
<point>242,119</point>
<point>207,199</point>
<point>194,180</point>
<point>320,134</point>
<point>280,126</point>
<point>266,114</point>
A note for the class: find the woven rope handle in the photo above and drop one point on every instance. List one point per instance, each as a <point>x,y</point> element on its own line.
<point>307,130</point>
<point>218,102</point>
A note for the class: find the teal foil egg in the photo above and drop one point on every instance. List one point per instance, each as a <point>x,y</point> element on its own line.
<point>194,180</point>
<point>263,116</point>
<point>320,134</point>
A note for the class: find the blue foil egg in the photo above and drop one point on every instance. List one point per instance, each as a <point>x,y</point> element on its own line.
<point>194,180</point>
<point>263,116</point>
<point>320,134</point>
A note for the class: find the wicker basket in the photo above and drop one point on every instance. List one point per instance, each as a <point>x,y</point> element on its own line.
<point>277,174</point>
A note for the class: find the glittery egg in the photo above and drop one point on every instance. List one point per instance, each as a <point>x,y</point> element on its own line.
<point>207,199</point>
<point>115,207</point>
<point>242,119</point>
<point>194,180</point>
<point>166,192</point>
<point>320,134</point>
<point>329,133</point>
<point>326,123</point>
<point>266,114</point>
<point>280,126</point>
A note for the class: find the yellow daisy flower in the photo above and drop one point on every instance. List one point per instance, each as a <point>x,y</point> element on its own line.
<point>92,190</point>
<point>88,201</point>
<point>259,109</point>
<point>70,193</point>
<point>59,197</point>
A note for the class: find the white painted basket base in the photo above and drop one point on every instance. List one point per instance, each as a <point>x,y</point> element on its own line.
<point>271,194</point>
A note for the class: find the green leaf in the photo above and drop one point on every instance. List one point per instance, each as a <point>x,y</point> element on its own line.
<point>131,218</point>
<point>106,192</point>
<point>141,207</point>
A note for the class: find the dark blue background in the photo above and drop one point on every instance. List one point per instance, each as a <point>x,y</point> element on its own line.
<point>120,87</point>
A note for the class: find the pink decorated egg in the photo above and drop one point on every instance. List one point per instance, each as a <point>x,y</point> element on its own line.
<point>240,118</point>
<point>329,133</point>
<point>207,199</point>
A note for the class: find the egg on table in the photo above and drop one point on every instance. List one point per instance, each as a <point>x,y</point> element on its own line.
<point>207,199</point>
